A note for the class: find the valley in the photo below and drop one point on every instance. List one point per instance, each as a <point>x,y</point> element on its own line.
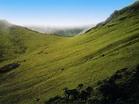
<point>48,63</point>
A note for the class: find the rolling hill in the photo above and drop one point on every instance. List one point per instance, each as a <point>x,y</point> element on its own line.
<point>39,66</point>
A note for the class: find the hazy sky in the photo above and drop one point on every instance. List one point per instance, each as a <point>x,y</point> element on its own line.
<point>59,12</point>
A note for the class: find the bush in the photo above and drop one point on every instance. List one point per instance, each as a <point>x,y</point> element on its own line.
<point>72,96</point>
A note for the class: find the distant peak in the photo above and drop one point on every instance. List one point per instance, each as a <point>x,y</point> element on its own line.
<point>132,9</point>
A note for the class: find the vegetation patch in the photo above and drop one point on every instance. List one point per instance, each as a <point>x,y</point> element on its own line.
<point>121,88</point>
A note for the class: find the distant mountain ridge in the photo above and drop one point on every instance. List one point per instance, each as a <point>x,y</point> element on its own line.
<point>63,31</point>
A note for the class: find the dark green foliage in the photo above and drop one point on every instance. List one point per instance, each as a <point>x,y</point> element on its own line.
<point>73,96</point>
<point>121,88</point>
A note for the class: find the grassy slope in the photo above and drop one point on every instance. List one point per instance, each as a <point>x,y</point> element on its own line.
<point>15,41</point>
<point>86,59</point>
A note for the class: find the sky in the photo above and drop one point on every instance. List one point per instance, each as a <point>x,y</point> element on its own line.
<point>59,12</point>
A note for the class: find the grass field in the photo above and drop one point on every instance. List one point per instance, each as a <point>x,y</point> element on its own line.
<point>48,63</point>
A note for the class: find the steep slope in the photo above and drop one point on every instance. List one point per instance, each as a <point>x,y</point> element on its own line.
<point>53,63</point>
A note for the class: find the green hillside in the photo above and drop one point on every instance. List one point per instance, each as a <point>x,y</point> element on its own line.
<point>50,63</point>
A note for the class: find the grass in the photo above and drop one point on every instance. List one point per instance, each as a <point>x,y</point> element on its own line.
<point>49,63</point>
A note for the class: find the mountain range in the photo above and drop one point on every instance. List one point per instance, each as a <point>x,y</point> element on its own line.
<point>61,31</point>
